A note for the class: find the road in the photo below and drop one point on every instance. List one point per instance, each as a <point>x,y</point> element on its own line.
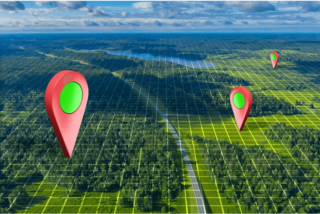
<point>194,181</point>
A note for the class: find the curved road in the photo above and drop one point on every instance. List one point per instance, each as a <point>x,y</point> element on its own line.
<point>195,185</point>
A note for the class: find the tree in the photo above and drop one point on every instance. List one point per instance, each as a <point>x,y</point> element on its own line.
<point>164,209</point>
<point>123,201</point>
<point>139,203</point>
<point>147,203</point>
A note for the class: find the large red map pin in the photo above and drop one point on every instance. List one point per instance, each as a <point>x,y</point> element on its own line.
<point>65,100</point>
<point>274,56</point>
<point>241,102</point>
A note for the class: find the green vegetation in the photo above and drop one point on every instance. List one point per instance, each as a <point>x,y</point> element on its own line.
<point>263,181</point>
<point>303,143</point>
<point>216,95</point>
<point>316,99</point>
<point>117,128</point>
<point>126,160</point>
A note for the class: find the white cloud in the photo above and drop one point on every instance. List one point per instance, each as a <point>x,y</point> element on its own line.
<point>300,6</point>
<point>11,5</point>
<point>97,12</point>
<point>118,24</point>
<point>252,6</point>
<point>39,12</point>
<point>160,15</point>
<point>74,6</point>
<point>65,5</point>
<point>309,6</point>
<point>142,5</point>
<point>124,13</point>
<point>89,23</point>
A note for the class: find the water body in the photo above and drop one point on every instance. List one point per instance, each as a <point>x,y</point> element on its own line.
<point>180,61</point>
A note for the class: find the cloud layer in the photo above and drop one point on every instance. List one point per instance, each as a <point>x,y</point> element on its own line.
<point>11,6</point>
<point>63,5</point>
<point>159,16</point>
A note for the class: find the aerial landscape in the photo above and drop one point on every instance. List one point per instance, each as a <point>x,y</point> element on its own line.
<point>159,133</point>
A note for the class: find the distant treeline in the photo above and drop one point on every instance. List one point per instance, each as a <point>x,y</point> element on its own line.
<point>186,94</point>
<point>262,105</point>
<point>297,57</point>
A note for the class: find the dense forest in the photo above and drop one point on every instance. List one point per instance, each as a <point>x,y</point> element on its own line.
<point>117,128</point>
<point>303,143</point>
<point>122,144</point>
<point>260,180</point>
<point>175,91</point>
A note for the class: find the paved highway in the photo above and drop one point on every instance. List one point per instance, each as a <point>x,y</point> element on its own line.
<point>194,181</point>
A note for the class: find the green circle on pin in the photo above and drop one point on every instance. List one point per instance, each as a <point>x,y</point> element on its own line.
<point>70,97</point>
<point>273,56</point>
<point>238,100</point>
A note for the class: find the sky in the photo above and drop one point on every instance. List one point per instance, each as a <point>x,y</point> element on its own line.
<point>160,16</point>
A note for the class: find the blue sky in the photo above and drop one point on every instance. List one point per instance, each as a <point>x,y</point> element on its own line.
<point>106,16</point>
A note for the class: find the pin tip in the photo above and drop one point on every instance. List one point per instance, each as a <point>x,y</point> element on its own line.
<point>68,155</point>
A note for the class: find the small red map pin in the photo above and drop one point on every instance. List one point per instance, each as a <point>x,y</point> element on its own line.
<point>241,102</point>
<point>274,56</point>
<point>65,100</point>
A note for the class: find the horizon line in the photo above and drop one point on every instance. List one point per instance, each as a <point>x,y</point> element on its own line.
<point>150,32</point>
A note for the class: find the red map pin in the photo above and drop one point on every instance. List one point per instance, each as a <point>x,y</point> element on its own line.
<point>65,100</point>
<point>274,56</point>
<point>241,102</point>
